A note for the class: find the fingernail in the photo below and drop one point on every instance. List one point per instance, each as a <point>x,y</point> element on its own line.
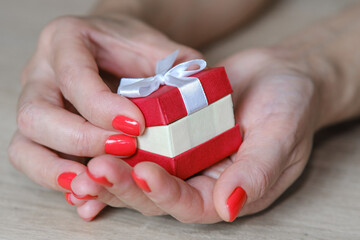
<point>84,197</point>
<point>235,202</point>
<point>100,180</point>
<point>68,198</point>
<point>126,125</point>
<point>65,179</point>
<point>140,182</point>
<point>120,145</point>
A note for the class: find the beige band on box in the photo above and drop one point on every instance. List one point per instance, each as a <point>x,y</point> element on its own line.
<point>188,132</point>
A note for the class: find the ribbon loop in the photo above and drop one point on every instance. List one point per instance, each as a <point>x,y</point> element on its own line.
<point>190,88</point>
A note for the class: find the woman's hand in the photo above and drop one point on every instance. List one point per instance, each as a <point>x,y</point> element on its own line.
<point>67,112</point>
<point>276,106</point>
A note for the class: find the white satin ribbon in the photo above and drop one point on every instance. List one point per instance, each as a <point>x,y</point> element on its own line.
<point>190,87</point>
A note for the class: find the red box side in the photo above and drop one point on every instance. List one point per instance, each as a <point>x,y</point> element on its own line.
<point>159,107</point>
<point>165,105</point>
<point>215,83</point>
<point>144,156</point>
<point>208,153</point>
<point>196,159</point>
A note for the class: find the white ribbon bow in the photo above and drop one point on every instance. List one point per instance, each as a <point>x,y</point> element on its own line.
<point>190,87</point>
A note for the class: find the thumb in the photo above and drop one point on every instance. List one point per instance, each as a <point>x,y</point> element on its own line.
<point>255,169</point>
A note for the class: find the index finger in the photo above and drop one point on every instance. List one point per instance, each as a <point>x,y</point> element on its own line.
<point>78,76</point>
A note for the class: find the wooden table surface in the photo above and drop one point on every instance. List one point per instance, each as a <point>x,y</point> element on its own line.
<point>323,204</point>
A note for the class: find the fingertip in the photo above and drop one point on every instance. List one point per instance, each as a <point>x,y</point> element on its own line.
<point>129,118</point>
<point>102,180</point>
<point>68,198</point>
<point>235,203</point>
<point>101,164</point>
<point>150,172</point>
<point>140,182</point>
<point>111,168</point>
<point>175,196</point>
<point>83,188</point>
<point>229,195</point>
<point>89,210</point>
<point>89,219</point>
<point>72,200</point>
<point>67,171</point>
<point>64,180</point>
<point>156,182</point>
<point>230,204</point>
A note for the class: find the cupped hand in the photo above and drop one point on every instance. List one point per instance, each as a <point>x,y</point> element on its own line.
<point>276,104</point>
<point>67,112</point>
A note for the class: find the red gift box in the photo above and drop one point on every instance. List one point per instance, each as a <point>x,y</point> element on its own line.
<point>196,159</point>
<point>165,106</point>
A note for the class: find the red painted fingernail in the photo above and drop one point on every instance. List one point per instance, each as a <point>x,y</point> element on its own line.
<point>65,179</point>
<point>120,145</point>
<point>126,125</point>
<point>140,182</point>
<point>235,202</point>
<point>84,197</point>
<point>100,180</point>
<point>68,198</point>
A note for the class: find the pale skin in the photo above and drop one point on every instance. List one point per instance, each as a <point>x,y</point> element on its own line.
<point>282,96</point>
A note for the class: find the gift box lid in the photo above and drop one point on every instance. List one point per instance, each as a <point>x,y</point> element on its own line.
<point>166,105</point>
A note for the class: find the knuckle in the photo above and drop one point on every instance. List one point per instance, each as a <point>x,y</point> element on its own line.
<point>82,141</point>
<point>66,77</point>
<point>63,22</point>
<point>260,177</point>
<point>96,103</point>
<point>25,117</point>
<point>58,28</point>
<point>47,177</point>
